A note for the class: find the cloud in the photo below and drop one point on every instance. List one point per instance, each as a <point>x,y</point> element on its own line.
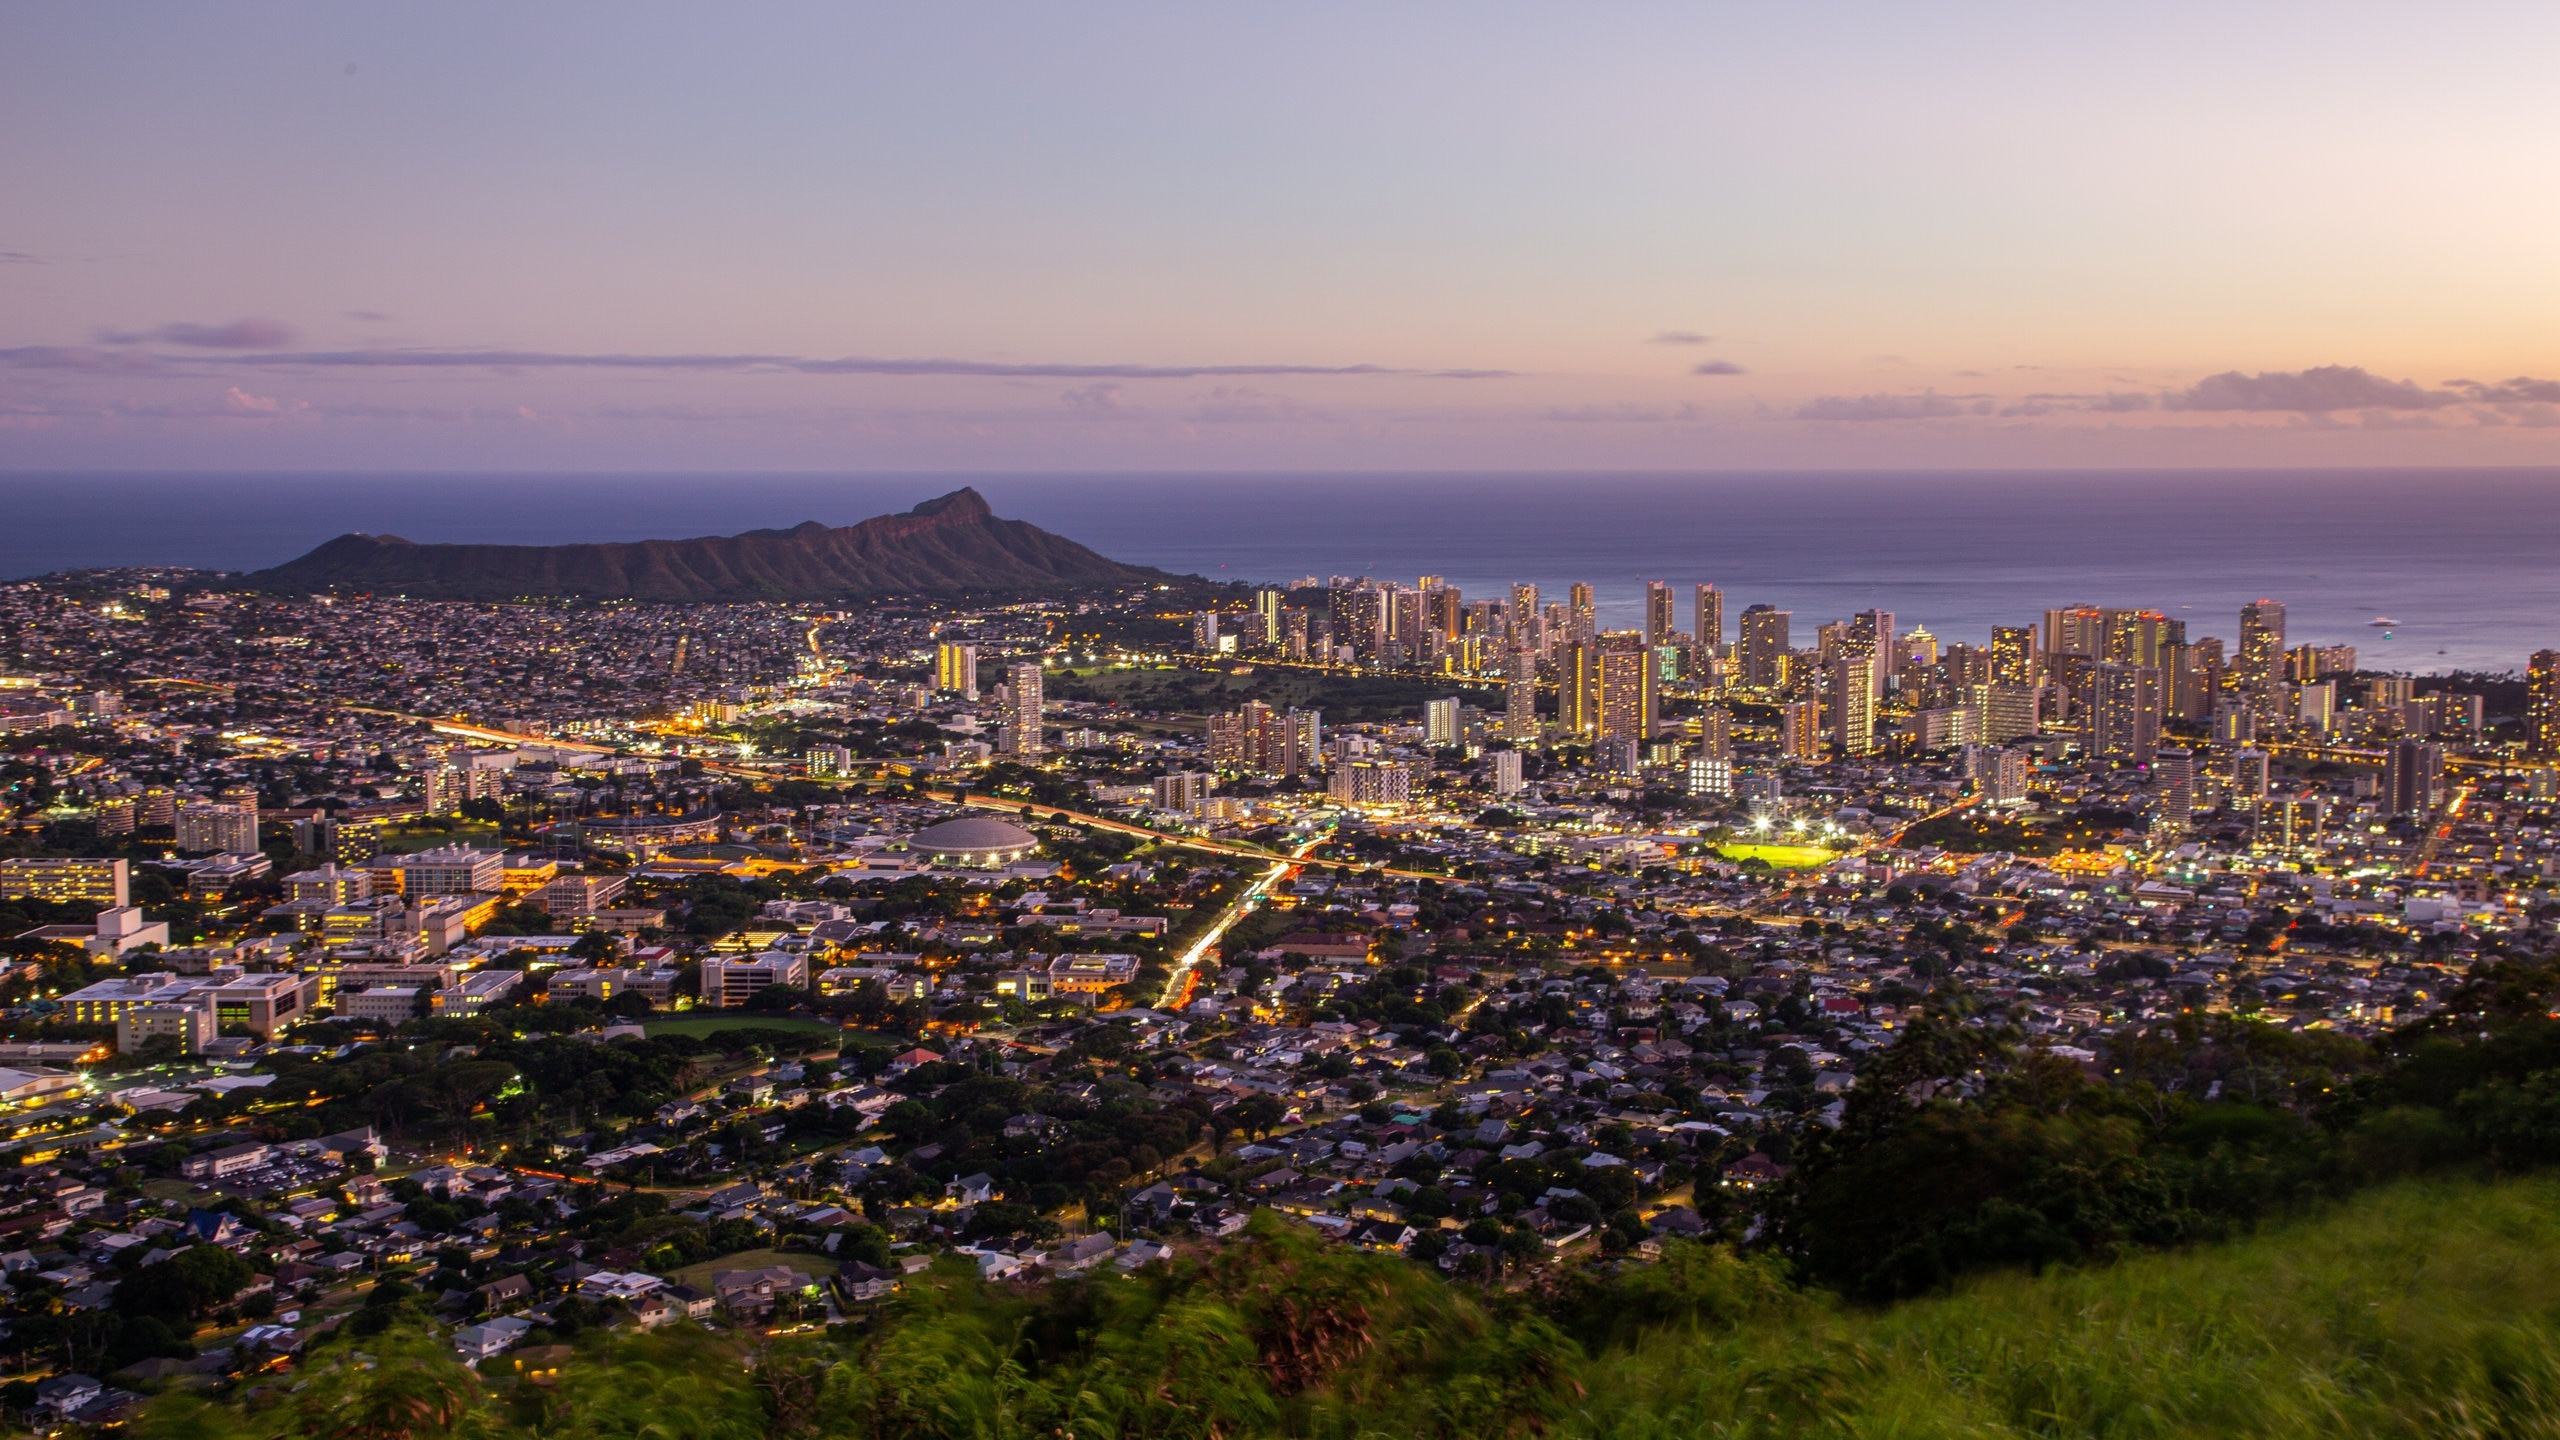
<point>18,257</point>
<point>1100,401</point>
<point>1929,405</point>
<point>1680,337</point>
<point>1717,367</point>
<point>246,334</point>
<point>1623,414</point>
<point>2523,389</point>
<point>2316,391</point>
<point>76,357</point>
<point>1237,404</point>
<point>2114,402</point>
<point>368,316</point>
<point>33,357</point>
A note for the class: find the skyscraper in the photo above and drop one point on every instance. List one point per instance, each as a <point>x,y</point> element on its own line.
<point>1800,730</point>
<point>1520,698</point>
<point>1715,733</point>
<point>1524,608</point>
<point>2124,719</point>
<point>1266,606</point>
<point>1854,688</point>
<point>2013,654</point>
<point>955,669</point>
<point>1204,632</point>
<point>2174,781</point>
<point>1660,625</point>
<point>1440,721</point>
<point>2261,657</point>
<point>2542,702</point>
<point>1764,641</point>
<point>1707,620</point>
<point>1626,695</point>
<point>1871,631</point>
<point>1578,691</point>
<point>1022,713</point>
<point>2412,773</point>
<point>1584,615</point>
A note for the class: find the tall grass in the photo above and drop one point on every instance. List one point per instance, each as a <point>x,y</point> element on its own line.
<point>2420,1309</point>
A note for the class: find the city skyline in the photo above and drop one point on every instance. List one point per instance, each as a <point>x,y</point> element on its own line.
<point>808,238</point>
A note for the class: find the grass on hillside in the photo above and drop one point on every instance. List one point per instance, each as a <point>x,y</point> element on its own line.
<point>2421,1309</point>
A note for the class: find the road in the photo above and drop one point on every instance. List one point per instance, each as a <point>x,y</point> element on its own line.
<point>1177,986</point>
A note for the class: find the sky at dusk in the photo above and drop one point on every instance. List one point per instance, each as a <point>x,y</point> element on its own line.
<point>1053,236</point>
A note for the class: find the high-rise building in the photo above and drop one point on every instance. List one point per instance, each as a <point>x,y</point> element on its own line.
<point>1524,610</point>
<point>1871,633</point>
<point>1503,769</point>
<point>1370,782</point>
<point>2001,776</point>
<point>2008,710</point>
<point>1627,694</point>
<point>1584,616</point>
<point>2316,705</point>
<point>2412,775</point>
<point>2184,692</point>
<point>1660,624</point>
<point>2542,702</point>
<point>1706,615</point>
<point>1360,619</point>
<point>955,669</point>
<point>2248,778</point>
<point>1293,634</point>
<point>1578,691</point>
<point>216,825</point>
<point>1764,642</point>
<point>1204,632</point>
<point>1182,791</point>
<point>1440,722</point>
<point>2075,630</point>
<point>2261,660</point>
<point>2124,721</point>
<point>1520,698</point>
<point>1022,713</point>
<point>2013,654</point>
<point>2134,637</point>
<point>1710,775</point>
<point>1854,689</point>
<point>2174,780</point>
<point>1715,733</point>
<point>103,881</point>
<point>1267,610</point>
<point>1800,730</point>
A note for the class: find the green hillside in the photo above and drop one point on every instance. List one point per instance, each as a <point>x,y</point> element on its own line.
<point>2423,1308</point>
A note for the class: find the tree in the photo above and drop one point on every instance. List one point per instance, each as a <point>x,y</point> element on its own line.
<point>184,1286</point>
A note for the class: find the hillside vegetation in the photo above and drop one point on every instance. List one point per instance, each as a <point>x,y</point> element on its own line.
<point>2422,1308</point>
<point>1995,1242</point>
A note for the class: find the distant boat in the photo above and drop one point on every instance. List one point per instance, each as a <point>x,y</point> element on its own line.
<point>2383,622</point>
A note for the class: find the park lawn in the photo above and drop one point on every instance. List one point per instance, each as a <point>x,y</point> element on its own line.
<point>404,841</point>
<point>700,1025</point>
<point>1783,857</point>
<point>814,1264</point>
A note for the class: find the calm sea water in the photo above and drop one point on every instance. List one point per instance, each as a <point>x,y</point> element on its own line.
<point>2464,560</point>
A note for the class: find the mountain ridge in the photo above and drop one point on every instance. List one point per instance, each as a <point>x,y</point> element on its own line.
<point>950,544</point>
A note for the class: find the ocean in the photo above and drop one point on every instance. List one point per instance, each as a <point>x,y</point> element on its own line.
<point>2463,561</point>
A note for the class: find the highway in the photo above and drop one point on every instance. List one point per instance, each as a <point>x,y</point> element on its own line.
<point>1177,986</point>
